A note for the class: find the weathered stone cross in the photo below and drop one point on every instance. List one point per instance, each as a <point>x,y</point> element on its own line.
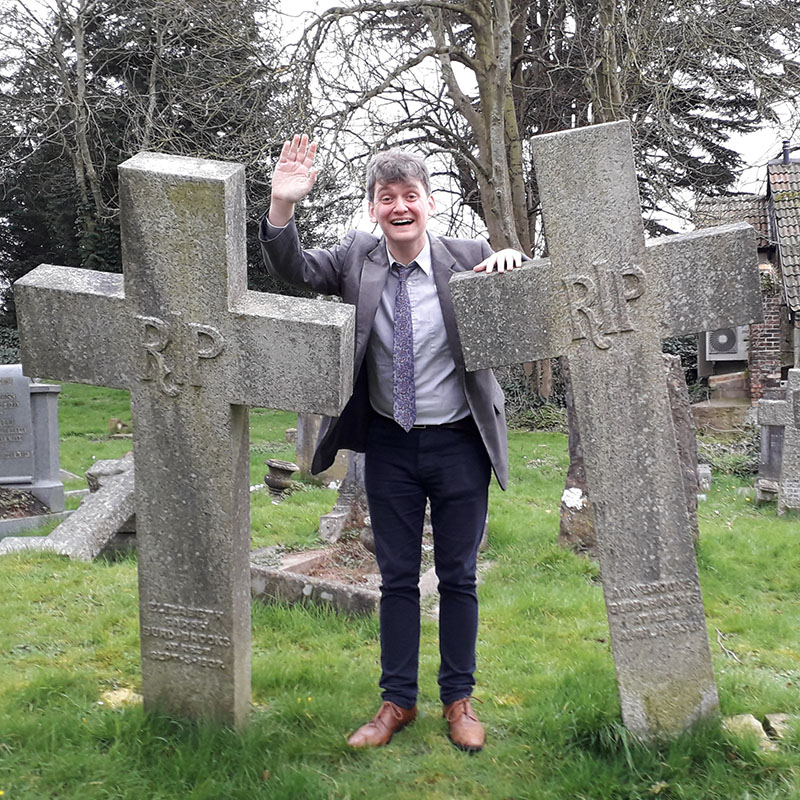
<point>195,348</point>
<point>786,413</point>
<point>605,299</point>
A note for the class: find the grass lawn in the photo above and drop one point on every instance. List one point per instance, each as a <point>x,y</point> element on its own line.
<point>69,633</point>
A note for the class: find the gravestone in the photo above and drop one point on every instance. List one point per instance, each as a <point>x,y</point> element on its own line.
<point>29,437</point>
<point>195,348</point>
<point>786,413</point>
<point>350,512</point>
<point>16,427</point>
<point>576,530</point>
<point>771,447</point>
<point>685,435</point>
<point>308,427</point>
<point>605,299</point>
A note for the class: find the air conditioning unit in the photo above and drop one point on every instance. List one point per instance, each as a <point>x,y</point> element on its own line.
<point>728,344</point>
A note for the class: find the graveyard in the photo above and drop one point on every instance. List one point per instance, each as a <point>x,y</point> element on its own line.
<point>70,670</point>
<point>649,672</point>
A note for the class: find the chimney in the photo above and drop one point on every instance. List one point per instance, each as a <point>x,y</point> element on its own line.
<point>786,158</point>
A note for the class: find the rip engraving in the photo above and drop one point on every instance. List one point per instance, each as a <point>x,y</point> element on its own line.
<point>155,338</point>
<point>166,348</point>
<point>598,304</point>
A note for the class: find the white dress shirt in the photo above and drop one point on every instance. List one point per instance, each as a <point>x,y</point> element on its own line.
<point>439,395</point>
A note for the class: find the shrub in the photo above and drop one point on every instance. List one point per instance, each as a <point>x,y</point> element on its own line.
<point>738,456</point>
<point>9,346</point>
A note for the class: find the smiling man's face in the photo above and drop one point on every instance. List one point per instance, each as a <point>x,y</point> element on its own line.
<point>402,210</point>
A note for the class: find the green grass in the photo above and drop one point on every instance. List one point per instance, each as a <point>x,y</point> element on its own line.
<point>69,632</point>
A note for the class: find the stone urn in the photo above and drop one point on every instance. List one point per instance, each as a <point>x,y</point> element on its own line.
<point>279,477</point>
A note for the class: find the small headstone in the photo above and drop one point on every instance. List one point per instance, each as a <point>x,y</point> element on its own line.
<point>308,426</point>
<point>780,445</point>
<point>29,437</point>
<point>605,299</point>
<point>350,512</point>
<point>704,477</point>
<point>685,435</point>
<point>16,427</point>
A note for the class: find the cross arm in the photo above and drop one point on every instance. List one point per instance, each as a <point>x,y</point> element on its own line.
<point>708,279</point>
<point>292,353</point>
<point>510,317</point>
<point>73,326</point>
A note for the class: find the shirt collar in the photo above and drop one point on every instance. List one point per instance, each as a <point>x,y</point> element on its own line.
<point>423,258</point>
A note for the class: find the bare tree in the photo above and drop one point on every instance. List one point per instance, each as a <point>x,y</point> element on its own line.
<point>472,80</point>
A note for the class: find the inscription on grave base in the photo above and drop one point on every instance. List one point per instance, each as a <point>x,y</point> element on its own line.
<point>661,608</point>
<point>185,634</point>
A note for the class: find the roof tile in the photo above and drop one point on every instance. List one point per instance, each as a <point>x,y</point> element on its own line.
<point>784,194</point>
<point>724,210</point>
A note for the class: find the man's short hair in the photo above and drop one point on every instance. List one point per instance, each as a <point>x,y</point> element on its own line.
<point>396,166</point>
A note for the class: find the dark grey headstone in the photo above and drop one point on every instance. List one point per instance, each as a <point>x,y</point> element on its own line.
<point>29,446</point>
<point>605,299</point>
<point>783,415</point>
<point>16,427</point>
<point>195,348</point>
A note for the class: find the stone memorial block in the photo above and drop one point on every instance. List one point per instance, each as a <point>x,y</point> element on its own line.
<point>605,298</point>
<point>774,414</point>
<point>29,437</point>
<point>351,511</point>
<point>195,348</point>
<point>771,446</point>
<point>16,427</point>
<point>308,427</point>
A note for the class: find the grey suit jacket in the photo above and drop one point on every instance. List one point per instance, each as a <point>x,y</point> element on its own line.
<point>356,270</point>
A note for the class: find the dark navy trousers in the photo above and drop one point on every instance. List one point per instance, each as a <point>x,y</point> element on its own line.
<point>402,470</point>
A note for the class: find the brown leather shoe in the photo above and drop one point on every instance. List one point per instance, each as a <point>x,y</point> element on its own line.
<point>380,729</point>
<point>465,730</point>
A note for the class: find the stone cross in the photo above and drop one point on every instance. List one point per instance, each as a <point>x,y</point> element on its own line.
<point>605,299</point>
<point>786,413</point>
<point>195,348</point>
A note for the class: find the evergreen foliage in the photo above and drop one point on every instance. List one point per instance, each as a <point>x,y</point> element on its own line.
<point>87,85</point>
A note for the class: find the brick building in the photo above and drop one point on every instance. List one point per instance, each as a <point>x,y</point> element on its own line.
<point>754,359</point>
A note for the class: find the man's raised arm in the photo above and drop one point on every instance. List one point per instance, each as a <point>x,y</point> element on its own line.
<point>292,179</point>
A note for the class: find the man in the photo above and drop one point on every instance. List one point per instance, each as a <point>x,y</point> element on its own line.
<point>429,429</point>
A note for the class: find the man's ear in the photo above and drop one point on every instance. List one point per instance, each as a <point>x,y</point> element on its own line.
<point>431,204</point>
<point>371,209</point>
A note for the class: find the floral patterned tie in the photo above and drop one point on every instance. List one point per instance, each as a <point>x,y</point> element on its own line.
<point>403,391</point>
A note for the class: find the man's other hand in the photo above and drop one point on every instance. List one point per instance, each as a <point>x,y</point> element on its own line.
<point>501,261</point>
